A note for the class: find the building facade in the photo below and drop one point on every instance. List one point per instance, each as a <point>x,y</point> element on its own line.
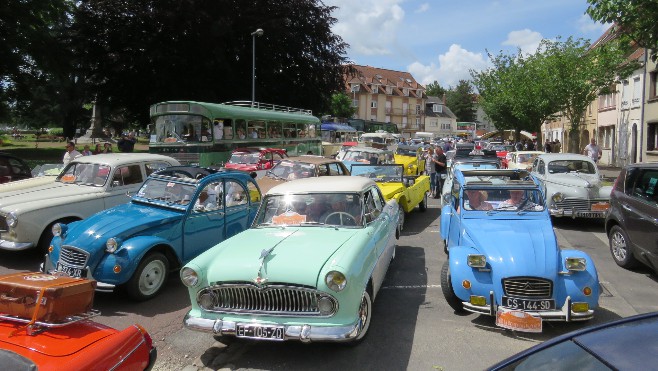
<point>388,96</point>
<point>439,119</point>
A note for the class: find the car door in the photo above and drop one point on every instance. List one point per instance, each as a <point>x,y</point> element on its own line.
<point>378,218</point>
<point>237,209</point>
<point>123,179</point>
<point>204,226</point>
<point>640,211</point>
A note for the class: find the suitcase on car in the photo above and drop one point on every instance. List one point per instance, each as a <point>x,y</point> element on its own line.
<point>44,297</point>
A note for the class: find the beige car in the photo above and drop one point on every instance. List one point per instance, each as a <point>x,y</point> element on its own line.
<point>86,186</point>
<point>300,167</point>
<point>522,159</point>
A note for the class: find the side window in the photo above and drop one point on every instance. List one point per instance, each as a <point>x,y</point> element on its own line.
<point>127,175</point>
<point>155,166</point>
<point>277,157</point>
<point>370,206</point>
<point>334,169</point>
<point>210,198</point>
<point>629,182</point>
<point>18,167</point>
<point>254,194</point>
<point>540,165</point>
<point>323,170</point>
<point>455,195</point>
<point>647,187</point>
<point>378,199</point>
<point>236,195</point>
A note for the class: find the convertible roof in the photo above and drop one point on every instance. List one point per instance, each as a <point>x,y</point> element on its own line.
<point>324,184</point>
<point>496,177</point>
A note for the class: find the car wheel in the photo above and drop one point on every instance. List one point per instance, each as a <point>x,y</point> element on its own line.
<point>364,316</point>
<point>149,277</point>
<point>446,286</point>
<point>423,204</point>
<point>620,249</point>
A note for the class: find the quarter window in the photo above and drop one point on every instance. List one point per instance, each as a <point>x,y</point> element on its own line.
<point>236,195</point>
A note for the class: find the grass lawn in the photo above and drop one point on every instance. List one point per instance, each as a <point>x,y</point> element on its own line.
<point>44,152</point>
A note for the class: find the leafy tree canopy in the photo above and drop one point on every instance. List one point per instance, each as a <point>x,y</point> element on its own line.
<point>341,106</point>
<point>435,90</point>
<point>636,18</point>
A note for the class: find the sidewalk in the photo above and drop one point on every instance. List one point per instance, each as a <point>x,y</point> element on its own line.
<point>609,173</point>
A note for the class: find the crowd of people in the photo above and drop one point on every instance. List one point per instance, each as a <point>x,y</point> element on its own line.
<point>125,144</point>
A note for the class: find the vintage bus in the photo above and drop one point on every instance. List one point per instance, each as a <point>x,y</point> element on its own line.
<point>334,135</point>
<point>206,133</point>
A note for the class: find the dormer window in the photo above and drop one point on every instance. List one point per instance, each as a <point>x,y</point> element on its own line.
<point>355,88</point>
<point>437,108</point>
<point>389,90</point>
<point>405,92</point>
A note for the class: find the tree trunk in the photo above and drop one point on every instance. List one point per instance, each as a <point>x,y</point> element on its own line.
<point>574,141</point>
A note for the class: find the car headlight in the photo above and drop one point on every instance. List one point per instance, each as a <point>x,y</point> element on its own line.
<point>112,245</point>
<point>410,166</point>
<point>59,229</point>
<point>477,261</point>
<point>12,220</point>
<point>335,281</point>
<point>189,277</point>
<point>576,264</point>
<point>558,197</point>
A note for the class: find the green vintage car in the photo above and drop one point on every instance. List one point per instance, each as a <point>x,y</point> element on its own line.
<point>308,269</point>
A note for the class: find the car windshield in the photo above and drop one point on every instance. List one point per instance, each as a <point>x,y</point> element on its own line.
<point>47,170</point>
<point>165,191</point>
<point>406,151</point>
<point>327,209</point>
<point>526,157</point>
<point>244,158</point>
<point>571,166</point>
<point>381,173</point>
<point>502,199</point>
<point>292,170</point>
<point>85,174</point>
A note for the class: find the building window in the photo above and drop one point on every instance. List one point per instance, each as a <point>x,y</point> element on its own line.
<point>433,124</point>
<point>405,92</point>
<point>418,109</point>
<point>637,92</point>
<point>417,121</point>
<point>625,104</point>
<point>355,88</point>
<point>355,103</point>
<point>387,119</point>
<point>437,108</point>
<point>653,87</point>
<point>373,104</point>
<point>375,88</point>
<point>389,90</point>
<point>652,136</point>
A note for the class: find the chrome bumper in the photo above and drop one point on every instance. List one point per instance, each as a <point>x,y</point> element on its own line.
<point>15,246</point>
<point>48,267</point>
<point>303,333</point>
<point>565,314</point>
<point>577,214</point>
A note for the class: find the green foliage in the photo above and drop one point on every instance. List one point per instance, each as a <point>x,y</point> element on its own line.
<point>435,90</point>
<point>635,18</point>
<point>460,101</point>
<point>341,106</point>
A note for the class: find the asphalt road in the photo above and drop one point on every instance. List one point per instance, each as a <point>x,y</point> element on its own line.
<point>412,325</point>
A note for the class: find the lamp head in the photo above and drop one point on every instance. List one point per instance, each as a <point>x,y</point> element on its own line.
<point>258,32</point>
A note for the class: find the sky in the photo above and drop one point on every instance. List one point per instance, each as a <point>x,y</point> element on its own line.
<point>438,40</point>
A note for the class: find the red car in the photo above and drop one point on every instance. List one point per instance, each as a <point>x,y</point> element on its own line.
<point>83,345</point>
<point>252,159</point>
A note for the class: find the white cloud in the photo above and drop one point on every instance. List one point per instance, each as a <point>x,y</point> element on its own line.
<point>452,66</point>
<point>588,26</point>
<point>527,40</point>
<point>423,8</point>
<point>369,26</point>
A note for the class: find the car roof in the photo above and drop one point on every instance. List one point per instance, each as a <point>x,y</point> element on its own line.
<point>367,150</point>
<point>194,174</point>
<point>563,156</point>
<point>330,184</point>
<point>643,165</point>
<point>115,159</point>
<point>310,159</point>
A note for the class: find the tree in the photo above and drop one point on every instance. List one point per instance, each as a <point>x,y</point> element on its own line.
<point>341,106</point>
<point>141,52</point>
<point>435,90</point>
<point>636,18</point>
<point>460,101</point>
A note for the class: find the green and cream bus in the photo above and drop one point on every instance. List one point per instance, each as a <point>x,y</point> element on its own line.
<point>206,133</point>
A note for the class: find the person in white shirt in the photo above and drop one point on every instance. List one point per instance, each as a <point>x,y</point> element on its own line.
<point>593,151</point>
<point>71,154</point>
<point>218,129</point>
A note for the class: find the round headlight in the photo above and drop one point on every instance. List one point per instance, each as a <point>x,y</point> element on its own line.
<point>335,281</point>
<point>206,301</point>
<point>558,197</point>
<point>59,229</point>
<point>326,306</point>
<point>189,276</point>
<point>111,245</point>
<point>12,220</point>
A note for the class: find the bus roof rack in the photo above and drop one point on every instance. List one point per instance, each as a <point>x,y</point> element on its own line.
<point>268,106</point>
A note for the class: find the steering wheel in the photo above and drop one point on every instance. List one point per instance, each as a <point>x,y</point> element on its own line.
<point>343,217</point>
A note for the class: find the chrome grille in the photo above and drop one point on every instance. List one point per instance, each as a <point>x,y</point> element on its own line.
<point>73,256</point>
<point>578,204</point>
<point>270,300</point>
<point>528,287</point>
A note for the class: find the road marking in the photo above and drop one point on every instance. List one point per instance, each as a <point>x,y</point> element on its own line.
<point>410,287</point>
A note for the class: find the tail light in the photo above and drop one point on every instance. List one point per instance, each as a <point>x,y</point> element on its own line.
<point>147,337</point>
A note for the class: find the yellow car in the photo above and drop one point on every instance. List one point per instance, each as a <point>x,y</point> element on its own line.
<point>411,157</point>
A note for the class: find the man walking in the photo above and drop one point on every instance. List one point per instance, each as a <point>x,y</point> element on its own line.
<point>593,151</point>
<point>431,170</point>
<point>440,168</point>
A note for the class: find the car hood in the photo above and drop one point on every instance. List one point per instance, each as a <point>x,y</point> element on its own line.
<point>243,167</point>
<point>49,192</point>
<point>297,256</point>
<point>120,221</point>
<point>575,180</point>
<point>404,160</point>
<point>391,189</point>
<point>527,247</point>
<point>266,183</point>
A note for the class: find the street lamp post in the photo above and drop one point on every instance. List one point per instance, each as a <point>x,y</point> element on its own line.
<point>258,32</point>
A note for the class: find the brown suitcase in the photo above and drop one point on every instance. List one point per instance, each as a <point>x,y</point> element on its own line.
<point>62,296</point>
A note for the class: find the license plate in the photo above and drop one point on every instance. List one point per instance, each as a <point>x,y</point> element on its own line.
<point>71,271</point>
<point>528,304</point>
<point>592,214</point>
<point>260,332</point>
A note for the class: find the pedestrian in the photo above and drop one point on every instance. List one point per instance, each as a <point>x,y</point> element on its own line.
<point>127,143</point>
<point>86,151</point>
<point>556,147</point>
<point>71,154</point>
<point>440,168</point>
<point>98,149</point>
<point>547,146</point>
<point>107,147</point>
<point>593,151</point>
<point>431,170</point>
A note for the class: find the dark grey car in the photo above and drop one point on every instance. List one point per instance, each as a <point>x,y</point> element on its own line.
<point>632,220</point>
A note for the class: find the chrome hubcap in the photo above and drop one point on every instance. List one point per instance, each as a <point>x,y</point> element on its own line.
<point>152,277</point>
<point>619,246</point>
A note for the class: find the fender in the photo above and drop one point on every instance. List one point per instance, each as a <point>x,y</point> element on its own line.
<point>575,281</point>
<point>460,271</point>
<point>446,212</point>
<point>128,257</point>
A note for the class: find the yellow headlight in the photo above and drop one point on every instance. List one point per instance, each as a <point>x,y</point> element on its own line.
<point>477,261</point>
<point>576,264</point>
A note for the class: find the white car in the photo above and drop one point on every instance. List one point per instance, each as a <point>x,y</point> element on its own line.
<point>572,185</point>
<point>86,186</point>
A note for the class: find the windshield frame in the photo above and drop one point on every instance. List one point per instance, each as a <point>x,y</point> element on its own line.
<point>297,209</point>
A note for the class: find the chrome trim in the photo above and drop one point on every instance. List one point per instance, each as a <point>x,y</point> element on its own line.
<point>564,314</point>
<point>15,246</point>
<point>304,333</point>
<point>125,357</point>
<point>73,256</point>
<point>528,287</point>
<point>273,300</point>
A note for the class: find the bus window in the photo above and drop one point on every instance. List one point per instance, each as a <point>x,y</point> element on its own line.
<point>289,130</point>
<point>240,129</point>
<point>221,129</point>
<point>311,131</point>
<point>301,130</point>
<point>255,129</point>
<point>179,128</point>
<point>274,130</point>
